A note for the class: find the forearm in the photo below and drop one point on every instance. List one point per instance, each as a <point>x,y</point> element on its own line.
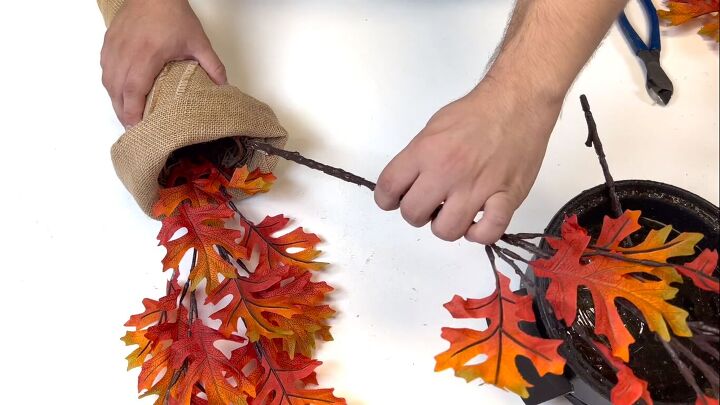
<point>549,41</point>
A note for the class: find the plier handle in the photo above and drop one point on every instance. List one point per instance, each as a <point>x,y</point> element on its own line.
<point>657,83</point>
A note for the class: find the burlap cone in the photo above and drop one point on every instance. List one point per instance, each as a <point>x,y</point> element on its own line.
<point>185,108</point>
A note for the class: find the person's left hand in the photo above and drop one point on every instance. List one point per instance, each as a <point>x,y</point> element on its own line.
<point>480,153</point>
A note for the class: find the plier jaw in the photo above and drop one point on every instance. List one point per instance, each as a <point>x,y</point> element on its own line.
<point>658,84</point>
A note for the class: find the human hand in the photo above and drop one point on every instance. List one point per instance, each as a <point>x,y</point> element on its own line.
<point>142,38</point>
<point>480,153</point>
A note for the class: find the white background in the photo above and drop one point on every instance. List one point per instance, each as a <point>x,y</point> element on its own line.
<point>353,82</point>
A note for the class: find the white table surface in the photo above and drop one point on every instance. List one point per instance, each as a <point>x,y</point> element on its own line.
<point>353,82</point>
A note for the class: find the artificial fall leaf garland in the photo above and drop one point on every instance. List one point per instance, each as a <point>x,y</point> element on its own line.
<point>274,313</point>
<point>706,11</point>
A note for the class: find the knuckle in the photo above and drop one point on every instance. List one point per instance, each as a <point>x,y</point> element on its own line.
<point>130,118</point>
<point>412,216</point>
<point>220,68</point>
<point>132,84</point>
<point>386,184</point>
<point>445,232</point>
<point>481,236</point>
<point>383,202</point>
<point>497,220</point>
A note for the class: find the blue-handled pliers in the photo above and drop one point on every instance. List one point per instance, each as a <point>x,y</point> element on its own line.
<point>658,83</point>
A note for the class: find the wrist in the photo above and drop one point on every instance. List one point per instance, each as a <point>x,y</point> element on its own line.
<point>528,81</point>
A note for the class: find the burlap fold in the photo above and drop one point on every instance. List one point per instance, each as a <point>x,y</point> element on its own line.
<point>185,108</point>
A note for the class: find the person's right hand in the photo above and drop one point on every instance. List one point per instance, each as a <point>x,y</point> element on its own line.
<point>142,38</point>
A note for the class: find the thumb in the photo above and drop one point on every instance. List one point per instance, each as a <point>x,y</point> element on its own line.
<point>209,61</point>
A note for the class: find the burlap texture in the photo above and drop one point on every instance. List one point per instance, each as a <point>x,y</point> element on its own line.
<point>185,108</point>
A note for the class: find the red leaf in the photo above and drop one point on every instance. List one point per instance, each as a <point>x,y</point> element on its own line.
<point>252,308</point>
<point>154,310</point>
<point>606,280</point>
<point>274,251</point>
<point>629,388</point>
<point>205,231</point>
<point>203,185</point>
<point>284,380</point>
<point>204,364</point>
<point>700,271</point>
<point>291,311</point>
<point>501,342</point>
<point>162,337</point>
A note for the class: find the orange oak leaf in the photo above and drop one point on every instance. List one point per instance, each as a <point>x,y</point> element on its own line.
<point>138,356</point>
<point>285,380</point>
<point>606,279</point>
<point>501,342</point>
<point>155,310</point>
<point>307,327</point>
<point>700,271</point>
<point>629,388</point>
<point>250,183</point>
<point>311,323</point>
<point>147,340</point>
<point>156,376</point>
<point>655,247</point>
<point>203,363</point>
<point>205,232</point>
<point>251,308</point>
<point>203,185</point>
<point>291,311</point>
<point>682,11</point>
<point>160,338</point>
<point>276,251</point>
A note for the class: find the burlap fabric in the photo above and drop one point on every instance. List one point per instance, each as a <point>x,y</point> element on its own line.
<point>185,108</point>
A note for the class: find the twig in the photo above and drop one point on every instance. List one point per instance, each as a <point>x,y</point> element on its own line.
<point>710,374</point>
<point>593,139</point>
<point>703,327</point>
<point>683,368</point>
<point>685,371</point>
<point>513,241</point>
<point>252,144</point>
<point>509,253</point>
<point>706,338</point>
<point>529,235</point>
<point>525,279</point>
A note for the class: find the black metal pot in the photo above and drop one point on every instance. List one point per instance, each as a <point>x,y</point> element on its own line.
<point>590,377</point>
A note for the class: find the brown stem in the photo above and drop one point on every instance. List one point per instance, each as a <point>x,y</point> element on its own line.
<point>527,246</point>
<point>593,139</point>
<point>252,144</point>
<point>174,380</point>
<point>501,254</point>
<point>701,326</point>
<point>193,308</point>
<point>684,369</point>
<point>710,374</point>
<point>530,235</point>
